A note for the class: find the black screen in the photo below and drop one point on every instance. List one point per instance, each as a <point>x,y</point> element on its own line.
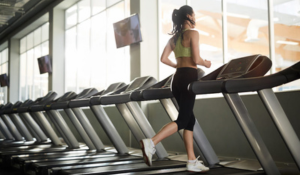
<point>45,64</point>
<point>4,80</point>
<point>127,31</point>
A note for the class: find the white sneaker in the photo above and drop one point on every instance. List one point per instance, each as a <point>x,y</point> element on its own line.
<point>148,150</point>
<point>196,166</point>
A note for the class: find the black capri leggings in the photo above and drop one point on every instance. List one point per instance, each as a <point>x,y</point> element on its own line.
<point>185,99</point>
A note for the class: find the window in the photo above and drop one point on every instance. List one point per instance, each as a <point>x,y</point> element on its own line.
<point>32,46</point>
<point>247,32</point>
<point>3,70</point>
<point>286,38</point>
<point>92,59</point>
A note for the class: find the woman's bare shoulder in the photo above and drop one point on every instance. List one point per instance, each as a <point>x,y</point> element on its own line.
<point>192,33</point>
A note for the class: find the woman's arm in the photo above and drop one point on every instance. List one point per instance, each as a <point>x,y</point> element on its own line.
<point>165,55</point>
<point>196,52</point>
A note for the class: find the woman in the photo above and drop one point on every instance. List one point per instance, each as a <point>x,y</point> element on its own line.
<point>185,45</point>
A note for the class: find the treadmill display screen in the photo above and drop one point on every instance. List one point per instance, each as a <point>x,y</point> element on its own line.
<point>237,67</point>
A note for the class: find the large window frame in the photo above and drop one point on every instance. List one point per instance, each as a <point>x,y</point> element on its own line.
<point>96,63</point>
<point>35,44</point>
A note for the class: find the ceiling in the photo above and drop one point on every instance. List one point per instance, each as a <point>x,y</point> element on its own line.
<point>11,10</point>
<point>15,14</point>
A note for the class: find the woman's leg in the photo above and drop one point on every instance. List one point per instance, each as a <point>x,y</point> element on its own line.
<point>165,131</point>
<point>188,142</point>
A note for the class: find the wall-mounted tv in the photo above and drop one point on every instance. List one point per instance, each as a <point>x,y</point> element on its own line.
<point>127,31</point>
<point>4,80</point>
<point>45,64</point>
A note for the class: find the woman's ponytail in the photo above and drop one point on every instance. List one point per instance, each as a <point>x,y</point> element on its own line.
<point>175,16</point>
<point>179,16</point>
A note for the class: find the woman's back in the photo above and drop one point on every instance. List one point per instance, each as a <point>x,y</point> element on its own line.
<point>181,45</point>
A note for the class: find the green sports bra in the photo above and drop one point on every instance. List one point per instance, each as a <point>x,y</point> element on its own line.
<point>180,50</point>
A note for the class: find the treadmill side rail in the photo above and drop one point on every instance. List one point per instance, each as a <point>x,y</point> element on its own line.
<point>109,129</point>
<point>145,126</point>
<point>38,131</point>
<point>59,129</point>
<point>12,128</point>
<point>64,127</point>
<point>282,123</point>
<point>202,146</point>
<point>89,129</point>
<point>54,138</point>
<point>5,130</point>
<point>21,126</point>
<point>248,127</point>
<point>133,126</point>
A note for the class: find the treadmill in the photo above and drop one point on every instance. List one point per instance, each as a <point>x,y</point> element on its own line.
<point>41,149</point>
<point>74,148</point>
<point>23,110</point>
<point>257,66</point>
<point>17,138</point>
<point>8,137</point>
<point>161,91</point>
<point>20,125</point>
<point>139,126</point>
<point>246,67</point>
<point>263,86</point>
<point>17,126</point>
<point>41,166</point>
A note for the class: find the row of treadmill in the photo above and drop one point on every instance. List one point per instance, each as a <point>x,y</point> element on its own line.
<point>36,144</point>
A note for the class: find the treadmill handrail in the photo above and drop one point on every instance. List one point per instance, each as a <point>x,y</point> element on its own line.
<point>87,93</point>
<point>47,98</point>
<point>209,84</point>
<point>255,84</point>
<point>206,87</point>
<point>87,101</point>
<point>45,106</point>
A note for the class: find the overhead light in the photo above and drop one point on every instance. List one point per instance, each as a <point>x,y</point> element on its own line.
<point>238,15</point>
<point>202,32</point>
<point>287,42</point>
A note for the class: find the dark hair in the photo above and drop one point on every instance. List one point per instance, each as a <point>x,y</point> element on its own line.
<point>179,16</point>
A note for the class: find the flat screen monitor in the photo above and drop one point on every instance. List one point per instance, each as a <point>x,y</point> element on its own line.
<point>127,31</point>
<point>4,80</point>
<point>45,64</point>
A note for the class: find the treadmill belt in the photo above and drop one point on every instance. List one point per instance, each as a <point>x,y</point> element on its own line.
<point>183,171</point>
<point>44,166</point>
<point>56,170</point>
<point>156,165</point>
<point>52,158</point>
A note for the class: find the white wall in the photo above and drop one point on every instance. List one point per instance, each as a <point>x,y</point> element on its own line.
<point>149,46</point>
<point>57,50</point>
<point>14,69</point>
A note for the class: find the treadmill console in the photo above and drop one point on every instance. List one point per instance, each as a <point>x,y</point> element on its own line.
<point>237,67</point>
